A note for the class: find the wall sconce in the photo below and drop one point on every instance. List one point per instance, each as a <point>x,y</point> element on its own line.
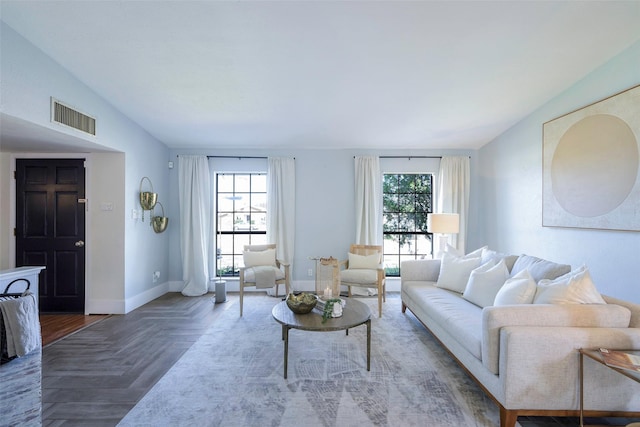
<point>159,223</point>
<point>443,224</point>
<point>148,199</point>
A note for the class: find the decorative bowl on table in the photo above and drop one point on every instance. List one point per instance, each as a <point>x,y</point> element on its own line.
<point>301,303</point>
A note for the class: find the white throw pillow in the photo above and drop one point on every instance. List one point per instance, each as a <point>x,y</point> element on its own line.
<point>575,287</point>
<point>455,272</point>
<point>485,282</point>
<point>519,289</point>
<point>256,258</point>
<point>369,262</point>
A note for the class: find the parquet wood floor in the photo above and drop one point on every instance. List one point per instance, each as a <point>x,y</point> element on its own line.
<point>95,376</point>
<point>57,326</point>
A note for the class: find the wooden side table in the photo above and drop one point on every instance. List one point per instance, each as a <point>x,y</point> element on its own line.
<point>597,356</point>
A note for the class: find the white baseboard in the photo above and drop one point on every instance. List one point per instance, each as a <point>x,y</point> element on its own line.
<point>176,286</point>
<point>105,306</point>
<point>117,306</point>
<point>110,306</point>
<point>146,296</point>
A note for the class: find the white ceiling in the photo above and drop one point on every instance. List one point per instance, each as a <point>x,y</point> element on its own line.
<point>327,74</point>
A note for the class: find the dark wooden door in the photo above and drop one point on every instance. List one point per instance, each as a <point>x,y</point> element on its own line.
<point>50,229</point>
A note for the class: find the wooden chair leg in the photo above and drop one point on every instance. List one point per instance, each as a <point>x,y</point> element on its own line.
<point>380,301</point>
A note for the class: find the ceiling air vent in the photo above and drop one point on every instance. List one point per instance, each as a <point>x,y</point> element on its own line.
<point>67,116</point>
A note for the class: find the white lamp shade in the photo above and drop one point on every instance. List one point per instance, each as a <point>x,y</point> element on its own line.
<point>446,223</point>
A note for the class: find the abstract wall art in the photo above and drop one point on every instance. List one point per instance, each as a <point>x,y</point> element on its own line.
<point>591,166</point>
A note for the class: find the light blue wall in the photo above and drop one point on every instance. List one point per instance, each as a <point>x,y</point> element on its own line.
<point>325,207</point>
<point>506,181</point>
<point>510,172</point>
<point>29,79</point>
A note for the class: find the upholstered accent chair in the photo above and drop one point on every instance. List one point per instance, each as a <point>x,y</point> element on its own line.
<point>364,269</point>
<point>262,269</point>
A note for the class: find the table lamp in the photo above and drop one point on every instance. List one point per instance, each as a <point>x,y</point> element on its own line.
<point>441,224</point>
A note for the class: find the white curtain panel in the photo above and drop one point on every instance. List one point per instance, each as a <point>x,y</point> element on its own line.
<point>368,198</point>
<point>281,209</point>
<point>194,191</point>
<point>454,181</point>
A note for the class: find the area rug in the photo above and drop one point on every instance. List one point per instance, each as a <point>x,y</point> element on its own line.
<point>233,376</point>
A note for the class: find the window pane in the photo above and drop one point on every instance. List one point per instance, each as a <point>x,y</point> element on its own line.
<point>239,241</point>
<point>423,202</point>
<point>225,183</point>
<point>259,221</point>
<point>242,203</point>
<point>391,222</point>
<point>408,246</point>
<point>390,202</point>
<point>391,265</point>
<point>390,184</point>
<point>391,244</point>
<point>259,183</point>
<point>225,202</point>
<point>259,202</point>
<point>225,222</point>
<point>243,183</point>
<point>423,184</point>
<point>423,245</point>
<point>406,183</point>
<point>406,202</point>
<point>407,222</point>
<point>225,265</point>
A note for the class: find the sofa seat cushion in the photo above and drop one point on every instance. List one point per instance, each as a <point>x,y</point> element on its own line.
<point>458,316</point>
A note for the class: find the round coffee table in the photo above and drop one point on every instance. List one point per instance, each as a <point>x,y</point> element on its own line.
<point>354,313</point>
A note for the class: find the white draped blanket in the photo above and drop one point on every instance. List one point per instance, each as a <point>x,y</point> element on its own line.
<point>22,325</point>
<point>265,276</point>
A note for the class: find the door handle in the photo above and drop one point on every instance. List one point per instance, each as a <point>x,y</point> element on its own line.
<point>79,243</point>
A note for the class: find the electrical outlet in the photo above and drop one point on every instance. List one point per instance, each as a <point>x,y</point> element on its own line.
<point>310,272</point>
<point>156,276</point>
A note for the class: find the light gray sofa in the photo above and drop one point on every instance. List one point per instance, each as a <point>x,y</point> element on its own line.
<point>525,356</point>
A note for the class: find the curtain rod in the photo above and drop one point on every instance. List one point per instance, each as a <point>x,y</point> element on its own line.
<point>409,157</point>
<point>234,157</point>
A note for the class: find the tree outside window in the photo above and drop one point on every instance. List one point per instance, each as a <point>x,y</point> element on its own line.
<point>407,199</point>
